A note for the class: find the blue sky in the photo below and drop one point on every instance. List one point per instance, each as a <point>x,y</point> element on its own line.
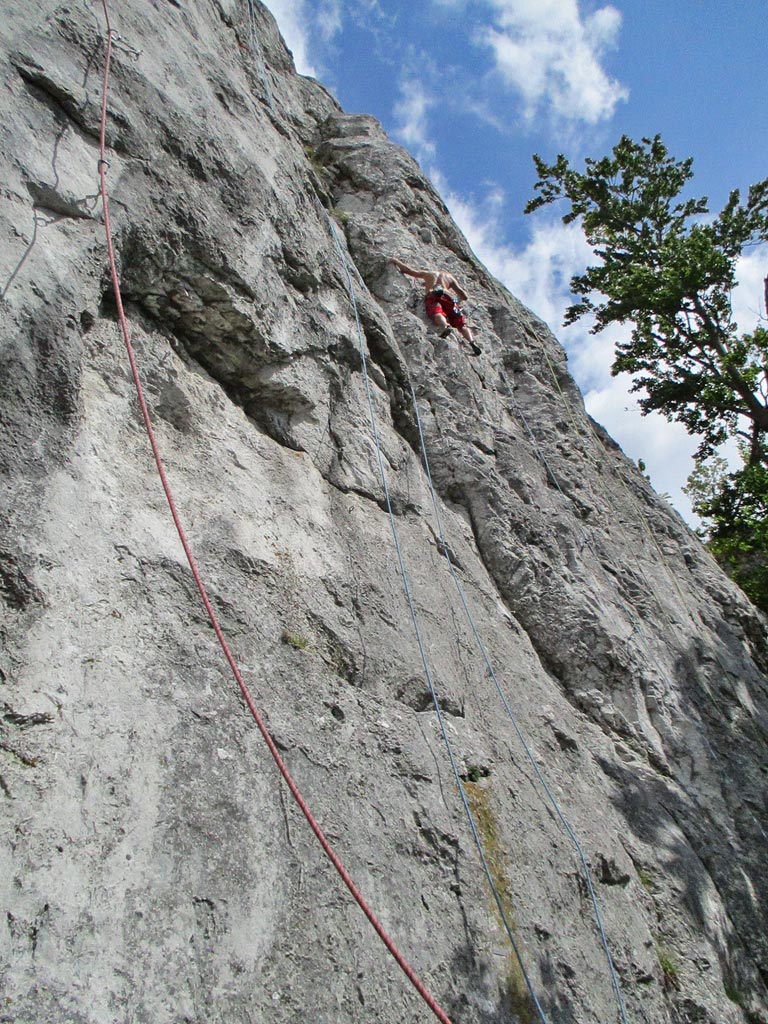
<point>474,87</point>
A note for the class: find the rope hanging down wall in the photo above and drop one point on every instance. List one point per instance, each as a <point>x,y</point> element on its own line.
<point>510,714</point>
<point>324,843</point>
<point>414,621</point>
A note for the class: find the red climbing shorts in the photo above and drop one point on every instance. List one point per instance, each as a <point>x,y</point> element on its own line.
<point>446,305</point>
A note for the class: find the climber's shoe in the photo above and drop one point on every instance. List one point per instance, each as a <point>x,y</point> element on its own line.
<point>446,332</point>
<point>476,348</point>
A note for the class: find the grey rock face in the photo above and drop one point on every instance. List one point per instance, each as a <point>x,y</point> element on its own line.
<point>152,865</point>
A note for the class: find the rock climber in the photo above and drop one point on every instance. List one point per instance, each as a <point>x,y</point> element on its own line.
<point>441,306</point>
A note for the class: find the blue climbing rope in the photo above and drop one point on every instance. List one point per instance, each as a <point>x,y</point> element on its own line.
<point>529,754</point>
<point>417,631</point>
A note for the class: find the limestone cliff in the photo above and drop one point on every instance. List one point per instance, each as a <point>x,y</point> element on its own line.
<point>152,865</point>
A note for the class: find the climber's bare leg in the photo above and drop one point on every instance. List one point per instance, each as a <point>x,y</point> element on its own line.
<point>439,321</point>
<point>467,335</point>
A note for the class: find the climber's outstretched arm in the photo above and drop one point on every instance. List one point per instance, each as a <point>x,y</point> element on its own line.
<point>422,275</point>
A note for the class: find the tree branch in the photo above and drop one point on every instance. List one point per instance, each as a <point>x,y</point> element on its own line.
<point>756,412</point>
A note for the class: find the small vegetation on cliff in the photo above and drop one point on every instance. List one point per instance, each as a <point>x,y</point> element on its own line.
<point>669,967</point>
<point>646,879</point>
<point>295,640</point>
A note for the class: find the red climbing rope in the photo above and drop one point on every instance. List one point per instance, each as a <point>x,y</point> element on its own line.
<point>385,938</point>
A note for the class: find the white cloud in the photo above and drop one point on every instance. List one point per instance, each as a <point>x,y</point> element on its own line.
<point>293,22</point>
<point>329,19</point>
<point>305,27</point>
<point>551,55</point>
<point>411,115</point>
<point>309,28</point>
<point>665,448</point>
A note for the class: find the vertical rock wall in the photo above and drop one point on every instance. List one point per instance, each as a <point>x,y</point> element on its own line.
<point>152,864</point>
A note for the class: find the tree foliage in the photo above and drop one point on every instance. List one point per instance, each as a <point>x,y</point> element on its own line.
<point>668,268</point>
<point>735,509</point>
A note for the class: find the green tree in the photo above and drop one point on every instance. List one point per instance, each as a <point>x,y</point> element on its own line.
<point>704,484</point>
<point>668,269</point>
<point>734,510</point>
